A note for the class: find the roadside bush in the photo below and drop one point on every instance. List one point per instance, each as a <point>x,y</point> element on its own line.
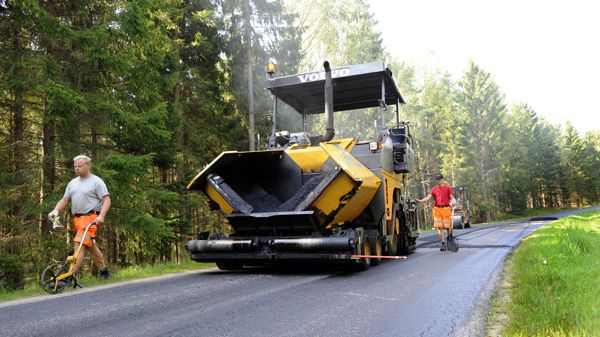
<point>12,273</point>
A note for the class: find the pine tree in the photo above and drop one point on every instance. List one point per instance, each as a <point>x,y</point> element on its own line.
<point>580,164</point>
<point>482,108</point>
<point>257,32</point>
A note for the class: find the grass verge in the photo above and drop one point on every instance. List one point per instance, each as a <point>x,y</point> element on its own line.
<point>531,212</point>
<point>551,283</point>
<point>125,274</point>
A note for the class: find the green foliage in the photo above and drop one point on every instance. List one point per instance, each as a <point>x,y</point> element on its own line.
<point>530,213</point>
<point>274,37</point>
<point>534,145</point>
<point>581,165</point>
<point>11,273</point>
<point>511,160</point>
<point>341,32</point>
<point>482,111</point>
<point>143,87</point>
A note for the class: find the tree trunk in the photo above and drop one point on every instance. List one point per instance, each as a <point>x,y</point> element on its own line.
<point>534,192</point>
<point>17,155</point>
<point>94,129</point>
<point>48,163</point>
<point>248,37</point>
<point>484,187</point>
<point>179,129</point>
<point>18,128</point>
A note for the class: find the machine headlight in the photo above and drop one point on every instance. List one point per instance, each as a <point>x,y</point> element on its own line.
<point>373,146</point>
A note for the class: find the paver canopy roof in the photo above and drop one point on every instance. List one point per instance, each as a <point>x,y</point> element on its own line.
<point>354,87</point>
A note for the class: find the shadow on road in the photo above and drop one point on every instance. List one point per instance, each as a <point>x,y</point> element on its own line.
<point>300,268</point>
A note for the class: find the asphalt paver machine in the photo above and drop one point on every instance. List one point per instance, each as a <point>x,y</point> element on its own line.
<point>316,197</point>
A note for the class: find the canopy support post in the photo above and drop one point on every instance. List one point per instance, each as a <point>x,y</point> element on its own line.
<point>273,138</point>
<point>398,112</point>
<point>383,108</point>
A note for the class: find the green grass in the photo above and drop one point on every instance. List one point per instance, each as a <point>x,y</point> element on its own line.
<point>125,274</point>
<point>531,212</point>
<point>524,214</point>
<point>554,281</point>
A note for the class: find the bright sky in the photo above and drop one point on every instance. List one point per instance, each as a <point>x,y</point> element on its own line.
<point>545,53</point>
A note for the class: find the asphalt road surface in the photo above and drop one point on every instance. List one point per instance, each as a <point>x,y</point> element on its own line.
<point>431,293</point>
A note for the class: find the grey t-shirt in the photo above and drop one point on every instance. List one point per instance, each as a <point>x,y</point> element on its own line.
<point>86,194</point>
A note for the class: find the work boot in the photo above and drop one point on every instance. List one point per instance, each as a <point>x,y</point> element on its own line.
<point>104,274</point>
<point>443,247</point>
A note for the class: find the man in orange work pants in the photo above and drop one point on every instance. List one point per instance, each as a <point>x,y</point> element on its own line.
<point>443,197</point>
<point>90,201</point>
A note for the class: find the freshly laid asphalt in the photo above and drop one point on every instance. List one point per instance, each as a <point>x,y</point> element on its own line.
<point>431,293</point>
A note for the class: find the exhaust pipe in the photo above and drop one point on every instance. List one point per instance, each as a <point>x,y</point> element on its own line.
<point>312,244</point>
<point>199,246</point>
<point>298,244</point>
<point>329,130</point>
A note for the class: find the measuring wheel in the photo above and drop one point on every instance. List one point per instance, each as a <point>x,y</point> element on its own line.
<point>48,278</point>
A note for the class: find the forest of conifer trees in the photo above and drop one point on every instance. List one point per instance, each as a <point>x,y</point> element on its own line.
<point>153,90</point>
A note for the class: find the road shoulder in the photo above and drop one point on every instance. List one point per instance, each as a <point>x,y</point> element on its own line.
<point>86,290</point>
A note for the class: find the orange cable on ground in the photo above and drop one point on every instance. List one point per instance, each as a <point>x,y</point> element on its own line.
<point>378,257</point>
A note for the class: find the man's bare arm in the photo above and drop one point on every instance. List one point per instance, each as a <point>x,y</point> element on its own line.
<point>104,211</point>
<point>426,199</point>
<point>61,204</point>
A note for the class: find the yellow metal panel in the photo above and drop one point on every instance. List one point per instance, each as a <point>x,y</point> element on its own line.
<point>345,143</point>
<point>390,183</point>
<point>329,200</point>
<point>354,207</point>
<point>355,174</point>
<point>218,198</point>
<point>350,164</point>
<point>311,158</point>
